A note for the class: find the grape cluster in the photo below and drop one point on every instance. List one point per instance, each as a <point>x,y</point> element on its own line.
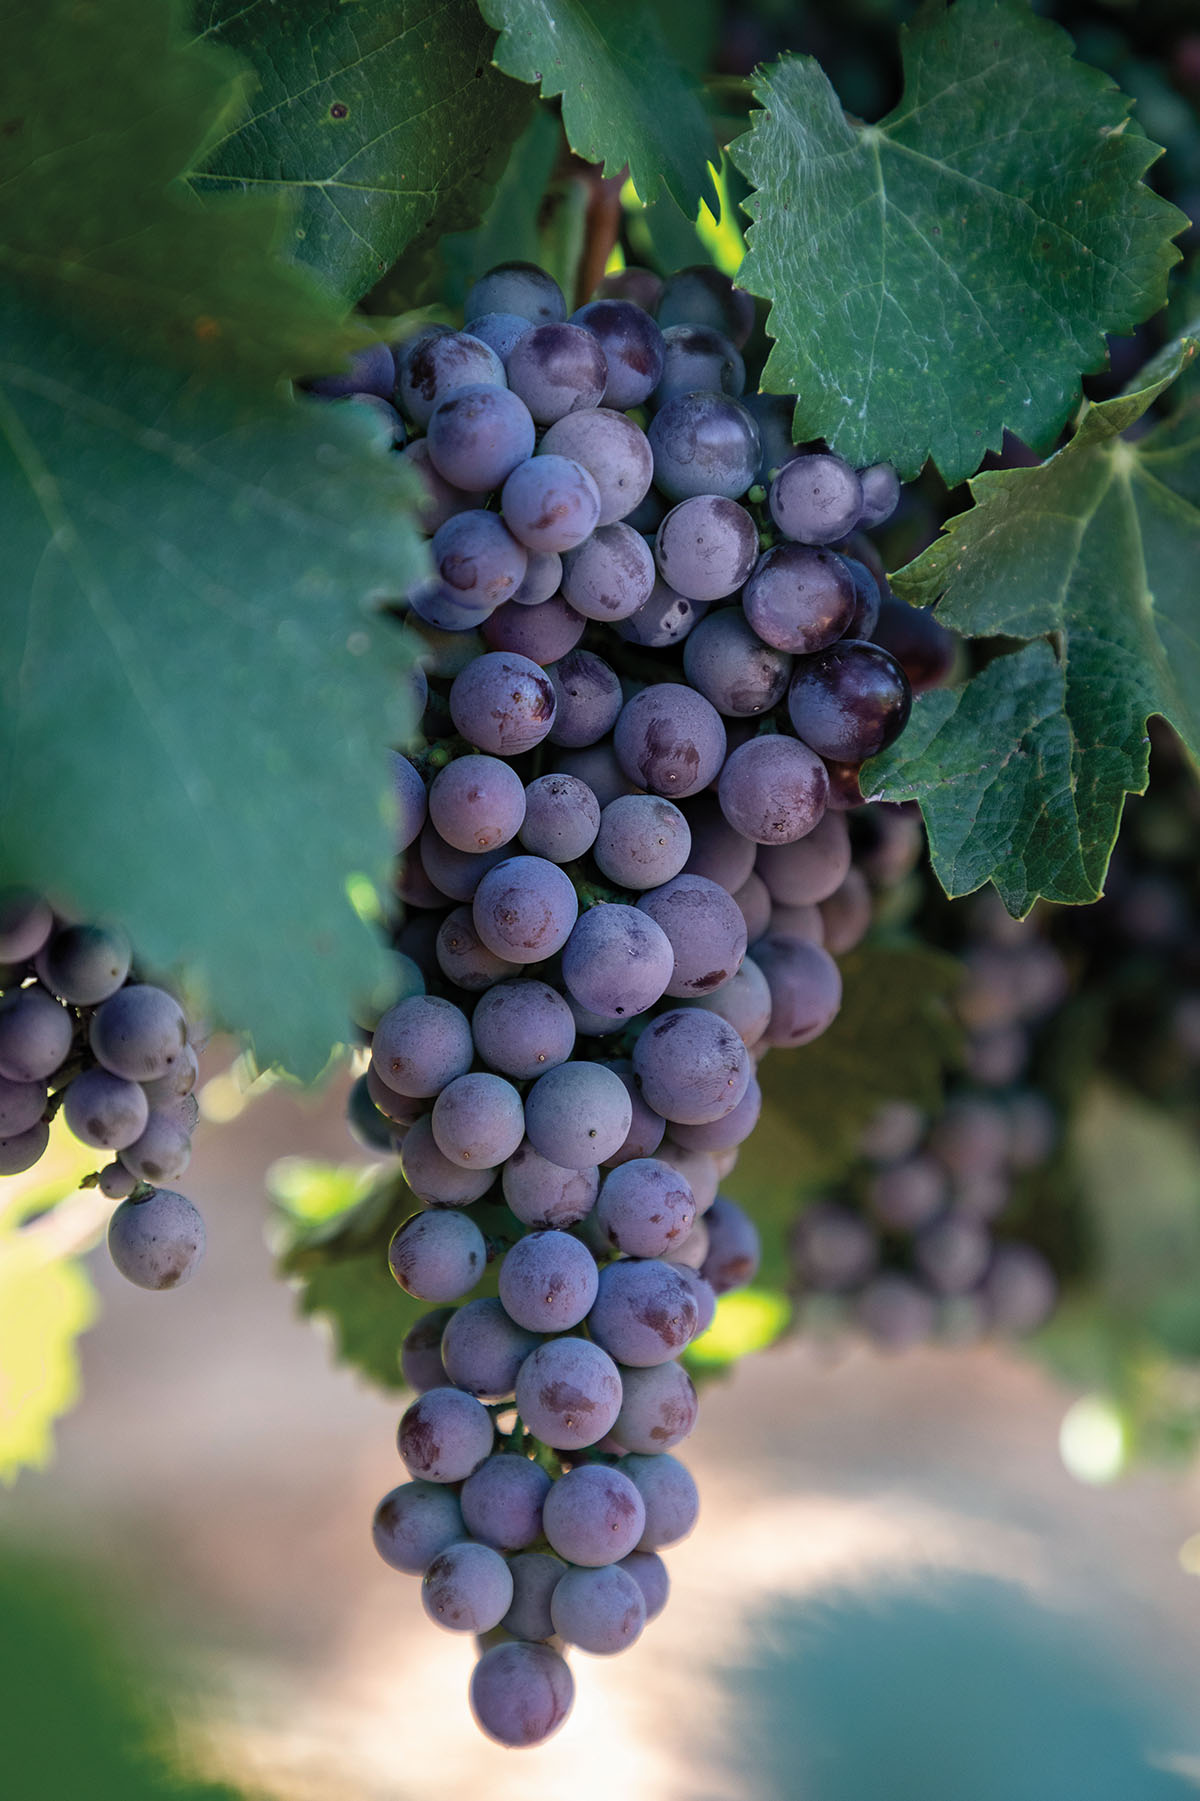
<point>650,675</point>
<point>80,1032</point>
<point>908,1248</point>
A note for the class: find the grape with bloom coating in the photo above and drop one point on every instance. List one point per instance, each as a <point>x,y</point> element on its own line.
<point>444,1435</point>
<point>568,1393</point>
<point>594,1515</point>
<point>524,909</point>
<point>521,1693</point>
<point>414,1522</point>
<point>600,1610</point>
<point>542,1193</point>
<point>156,1241</point>
<point>437,1256</point>
<point>670,739</point>
<point>578,1114</point>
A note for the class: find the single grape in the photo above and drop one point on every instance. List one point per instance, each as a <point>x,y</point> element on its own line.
<point>421,1044</point>
<point>19,1151</point>
<point>455,874</point>
<point>568,1393</point>
<point>523,1028</point>
<point>600,1610</point>
<point>502,703</point>
<point>868,598</point>
<point>702,295</point>
<point>414,1523</point>
<point>669,1496</point>
<point>411,801</point>
<point>163,1149</point>
<point>706,547</point>
<point>734,1247</point>
<point>467,1588</point>
<point>139,1032</point>
<point>433,366</point>
<point>1019,1289</point>
<point>478,1120</point>
<point>666,618</point>
<point>644,1312</point>
<point>437,1256</point>
<point>477,803</point>
<point>918,641</point>
<point>641,286</point>
<point>834,1249</point>
<point>658,1408</point>
<point>543,578</point>
<point>645,1208</point>
<point>106,1110</point>
<point>516,287</point>
<point>809,869</point>
<point>650,1573</point>
<point>440,499</point>
<point>521,1693</point>
<point>754,904</point>
<point>500,331</point>
<point>703,443</point>
<point>432,1177</point>
<point>816,499</point>
<point>908,1194</point>
<point>421,1352</point>
<point>894,1312</point>
<point>478,435</point>
<point>35,1034</point>
<point>587,691</point>
<point>83,965</point>
<point>643,841</point>
<point>524,909</point>
<point>578,1114</point>
<point>371,371</point>
<point>691,1065</point>
<point>646,1129</point>
<point>895,1130</point>
<point>846,914</point>
<point>609,576</point>
<point>730,665</point>
<point>548,1281</point>
<point>744,1001</point>
<point>464,959</point>
<point>535,1576</point>
<point>444,1435</point>
<point>800,599</point>
<point>156,1241</point>
<point>562,818</point>
<point>26,920</point>
<point>597,766</point>
<point>633,349</point>
<point>557,369</point>
<point>550,503</point>
<point>614,451</point>
<point>540,634</point>
<point>617,961</point>
<point>717,852</point>
<point>773,789</point>
<point>704,927</point>
<point>542,1193</point>
<point>806,989</point>
<point>670,740</point>
<point>953,1253</point>
<point>594,1515</point>
<point>479,561</point>
<point>731,1130</point>
<point>697,1169</point>
<point>699,358</point>
<point>502,1502</point>
<point>880,494</point>
<point>849,702</point>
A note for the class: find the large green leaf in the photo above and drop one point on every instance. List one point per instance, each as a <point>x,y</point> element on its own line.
<point>950,271</point>
<point>625,99</point>
<point>104,107</point>
<point>383,122</point>
<point>1022,773</point>
<point>194,702</point>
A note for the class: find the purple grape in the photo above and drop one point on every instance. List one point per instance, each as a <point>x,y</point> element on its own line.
<point>542,1193</point>
<point>952,1254</point>
<point>800,599</point>
<point>645,1208</point>
<point>140,1032</point>
<point>523,1028</point>
<point>1019,1289</point>
<point>918,641</point>
<point>670,740</point>
<point>773,789</point>
<point>440,499</point>
<point>896,1130</point>
<point>744,1001</point>
<point>578,1114</point>
<point>548,1281</point>
<point>697,1169</point>
<point>734,1247</point>
<point>880,494</point>
<point>437,1256</point>
<point>588,695</point>
<point>650,1573</point>
<point>809,869</point>
<point>704,927</point>
<point>503,703</point>
<point>162,1150</point>
<point>717,852</point>
<point>614,451</point>
<point>437,364</point>
<point>521,1693</point>
<point>641,286</point>
<point>617,961</point>
<point>550,503</point>
<point>600,1610</point>
<point>524,909</point>
<point>562,817</point>
<point>106,1110</point>
<point>731,666</point>
<point>520,288</point>
<point>414,1523</point>
<point>477,803</point>
<point>408,792</point>
<point>444,1435</point>
<point>541,634</point>
<point>421,1044</point>
<point>633,349</point>
<point>691,1065</point>
<point>907,1195</point>
<point>669,1497</point>
<point>432,1177</point>
<point>22,1150</point>
<point>733,1129</point>
<point>463,959</point>
<point>83,965</point>
<point>703,444</point>
<point>971,1137</point>
<point>594,1516</point>
<point>26,921</point>
<point>643,841</point>
<point>701,1291</point>
<point>806,989</point>
<point>568,1393</point>
<point>36,1033</point>
<point>543,578</point>
<point>702,295</point>
<point>502,1502</point>
<point>706,547</point>
<point>773,414</point>
<point>611,575</point>
<point>467,1588</point>
<point>455,874</point>
<point>597,766</point>
<point>867,600</point>
<point>646,1128</point>
<point>371,371</point>
<point>421,1353</point>
<point>482,1348</point>
<point>816,499</point>
<point>894,1312</point>
<point>847,914</point>
<point>477,1121</point>
<point>754,904</point>
<point>500,331</point>
<point>21,1106</point>
<point>557,369</point>
<point>157,1241</point>
<point>479,561</point>
<point>849,702</point>
<point>478,435</point>
<point>666,618</point>
<point>658,1408</point>
<point>699,358</point>
<point>535,1576</point>
<point>644,1313</point>
<point>835,1250</point>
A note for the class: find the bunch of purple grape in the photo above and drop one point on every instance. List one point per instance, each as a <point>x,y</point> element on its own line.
<point>907,1251</point>
<point>650,679</point>
<point>80,1032</point>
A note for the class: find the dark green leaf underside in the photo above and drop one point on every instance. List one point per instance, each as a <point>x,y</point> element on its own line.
<point>950,271</point>
<point>383,124</point>
<point>194,701</point>
<point>1022,773</point>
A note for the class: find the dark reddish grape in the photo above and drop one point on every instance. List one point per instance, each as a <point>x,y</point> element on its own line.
<point>849,702</point>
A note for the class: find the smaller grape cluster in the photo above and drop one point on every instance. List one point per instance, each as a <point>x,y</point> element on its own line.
<point>908,1250</point>
<point>81,1033</point>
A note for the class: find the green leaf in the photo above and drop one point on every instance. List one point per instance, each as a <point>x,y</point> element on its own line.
<point>382,123</point>
<point>949,272</point>
<point>624,97</point>
<point>194,701</point>
<point>818,1099</point>
<point>510,230</point>
<point>104,108</point>
<point>1021,774</point>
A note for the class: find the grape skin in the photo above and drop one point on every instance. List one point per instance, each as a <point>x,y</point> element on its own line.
<point>483,1347</point>
<point>548,1281</point>
<point>523,1028</point>
<point>157,1241</point>
<point>644,1312</point>
<point>105,1110</point>
<point>578,1114</point>
<point>467,1588</point>
<point>617,961</point>
<point>568,1393</point>
<point>413,1523</point>
<point>437,1256</point>
<point>535,1575</point>
<point>521,1693</point>
<point>643,841</point>
<point>594,1515</point>
<point>444,1435</point>
<point>600,1610</point>
<point>35,1034</point>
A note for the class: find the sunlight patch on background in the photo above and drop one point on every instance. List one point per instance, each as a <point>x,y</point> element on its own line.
<point>1092,1441</point>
